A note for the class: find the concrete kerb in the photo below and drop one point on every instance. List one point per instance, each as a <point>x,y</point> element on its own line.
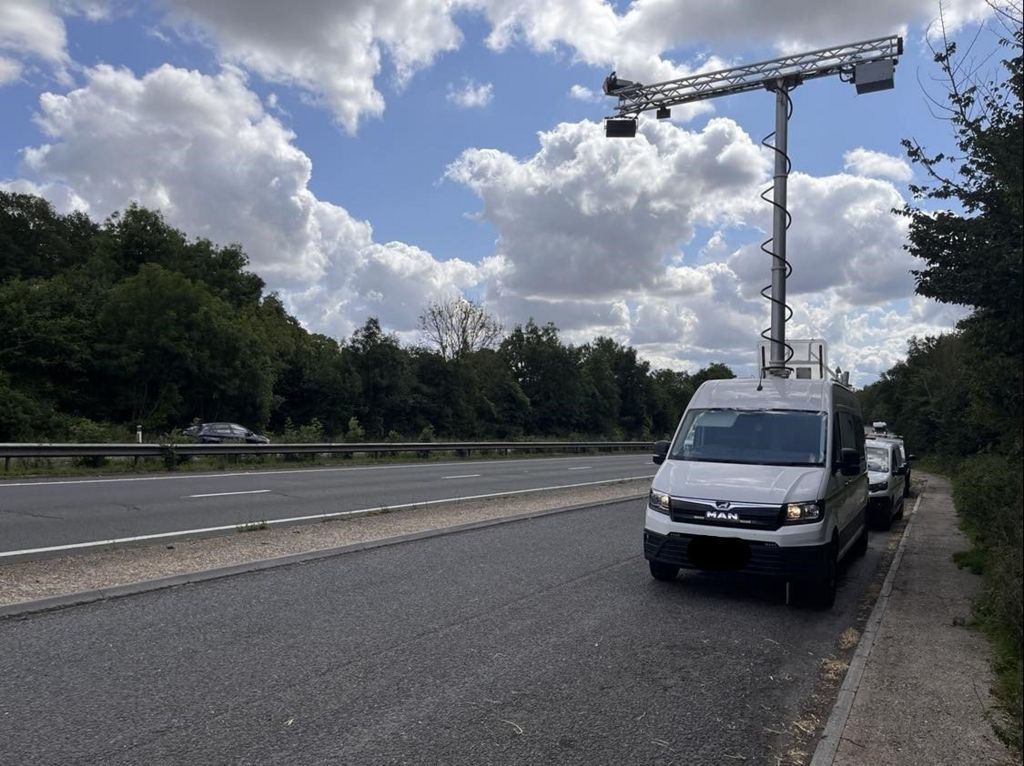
<point>26,608</point>
<point>828,745</point>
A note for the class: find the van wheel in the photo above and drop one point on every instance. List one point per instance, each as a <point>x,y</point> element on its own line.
<point>824,591</point>
<point>861,546</point>
<point>663,572</point>
<point>899,513</point>
<point>885,518</point>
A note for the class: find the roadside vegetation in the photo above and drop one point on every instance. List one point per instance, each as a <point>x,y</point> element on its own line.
<point>106,326</point>
<point>958,397</point>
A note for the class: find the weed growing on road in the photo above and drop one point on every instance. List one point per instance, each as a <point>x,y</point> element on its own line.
<point>253,526</point>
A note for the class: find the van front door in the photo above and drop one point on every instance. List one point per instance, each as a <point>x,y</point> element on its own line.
<point>849,490</point>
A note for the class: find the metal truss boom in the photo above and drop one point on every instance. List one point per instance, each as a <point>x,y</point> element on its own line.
<point>838,60</point>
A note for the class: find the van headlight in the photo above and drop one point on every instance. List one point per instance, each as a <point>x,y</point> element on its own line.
<point>879,486</point>
<point>659,501</point>
<point>803,513</point>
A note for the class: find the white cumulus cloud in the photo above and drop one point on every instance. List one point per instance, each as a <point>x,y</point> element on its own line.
<point>330,49</point>
<point>335,51</point>
<point>31,30</point>
<point>203,150</point>
<point>470,94</point>
<point>600,236</point>
<point>583,93</point>
<point>866,162</point>
<point>588,216</point>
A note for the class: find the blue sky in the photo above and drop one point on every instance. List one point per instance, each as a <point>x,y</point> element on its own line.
<point>330,139</point>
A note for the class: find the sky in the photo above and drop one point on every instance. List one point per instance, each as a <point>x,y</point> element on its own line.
<point>372,157</point>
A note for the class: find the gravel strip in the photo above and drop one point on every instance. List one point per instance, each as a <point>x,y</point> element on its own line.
<point>44,578</point>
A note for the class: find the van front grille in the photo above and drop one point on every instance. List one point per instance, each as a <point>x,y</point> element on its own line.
<point>735,515</point>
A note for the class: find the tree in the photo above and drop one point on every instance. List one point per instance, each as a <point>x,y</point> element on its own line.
<point>457,327</point>
<point>37,242</point>
<point>972,245</point>
<point>548,373</point>
<point>171,352</point>
<point>385,379</point>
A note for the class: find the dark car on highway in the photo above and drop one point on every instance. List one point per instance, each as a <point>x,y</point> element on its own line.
<point>224,433</point>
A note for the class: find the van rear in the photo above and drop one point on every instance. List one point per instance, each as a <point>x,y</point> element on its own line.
<point>762,477</point>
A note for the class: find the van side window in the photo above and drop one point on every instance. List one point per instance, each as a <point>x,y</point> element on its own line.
<point>858,425</point>
<point>847,431</point>
<point>836,440</point>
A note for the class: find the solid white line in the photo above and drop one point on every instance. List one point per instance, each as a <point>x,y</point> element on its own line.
<point>580,468</point>
<point>223,494</point>
<point>296,519</point>
<point>463,476</point>
<point>178,477</point>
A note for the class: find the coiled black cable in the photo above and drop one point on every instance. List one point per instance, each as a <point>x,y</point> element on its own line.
<point>767,290</point>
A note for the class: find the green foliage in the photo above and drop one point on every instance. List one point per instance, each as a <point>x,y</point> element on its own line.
<point>355,432</point>
<point>549,375</point>
<point>36,242</point>
<point>989,494</point>
<point>960,395</point>
<point>170,348</point>
<point>130,322</point>
<point>973,255</point>
<point>22,417</point>
<point>311,433</point>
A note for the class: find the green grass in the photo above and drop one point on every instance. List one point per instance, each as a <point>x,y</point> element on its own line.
<point>941,466</point>
<point>988,495</point>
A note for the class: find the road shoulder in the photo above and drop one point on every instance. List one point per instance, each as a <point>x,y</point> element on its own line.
<point>118,571</point>
<point>924,695</point>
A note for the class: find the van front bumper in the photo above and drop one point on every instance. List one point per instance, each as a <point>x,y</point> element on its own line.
<point>724,554</point>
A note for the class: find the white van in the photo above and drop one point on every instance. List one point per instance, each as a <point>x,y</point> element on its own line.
<point>766,477</point>
<point>887,474</point>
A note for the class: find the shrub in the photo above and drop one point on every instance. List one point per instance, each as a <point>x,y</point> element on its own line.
<point>988,493</point>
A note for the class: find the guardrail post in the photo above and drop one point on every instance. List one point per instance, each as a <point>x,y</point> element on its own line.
<point>7,464</point>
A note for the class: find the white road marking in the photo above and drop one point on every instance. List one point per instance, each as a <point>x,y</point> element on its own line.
<point>297,519</point>
<point>463,476</point>
<point>223,494</point>
<point>193,476</point>
<point>580,468</point>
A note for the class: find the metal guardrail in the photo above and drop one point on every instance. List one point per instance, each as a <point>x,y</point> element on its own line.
<point>171,451</point>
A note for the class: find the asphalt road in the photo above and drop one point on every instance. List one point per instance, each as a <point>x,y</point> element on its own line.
<point>538,641</point>
<point>37,514</point>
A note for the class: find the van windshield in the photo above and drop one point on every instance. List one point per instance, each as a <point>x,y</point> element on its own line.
<point>878,459</point>
<point>760,437</point>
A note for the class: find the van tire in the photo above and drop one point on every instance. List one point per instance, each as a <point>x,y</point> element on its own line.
<point>823,592</point>
<point>860,547</point>
<point>663,572</point>
<point>885,518</point>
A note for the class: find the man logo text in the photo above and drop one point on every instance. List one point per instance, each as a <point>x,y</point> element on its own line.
<point>722,516</point>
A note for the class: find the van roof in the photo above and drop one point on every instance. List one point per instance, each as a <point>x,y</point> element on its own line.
<point>775,394</point>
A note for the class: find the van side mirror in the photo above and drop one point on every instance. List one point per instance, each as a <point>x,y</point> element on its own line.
<point>911,458</point>
<point>849,461</point>
<point>660,451</point>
